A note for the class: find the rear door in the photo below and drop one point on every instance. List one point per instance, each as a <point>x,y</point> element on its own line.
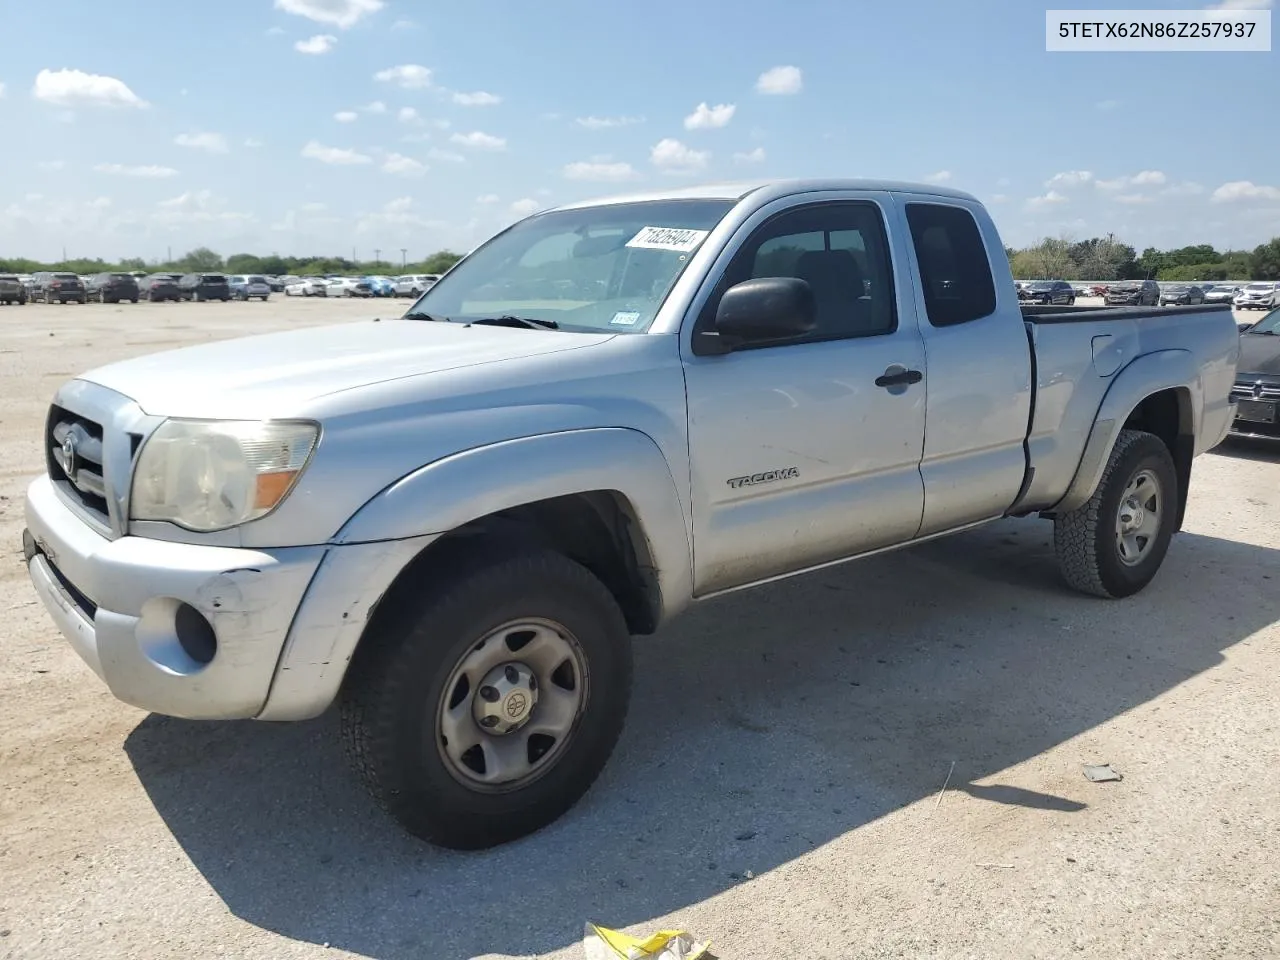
<point>797,455</point>
<point>979,358</point>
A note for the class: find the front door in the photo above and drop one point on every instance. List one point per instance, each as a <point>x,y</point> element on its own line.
<point>798,456</point>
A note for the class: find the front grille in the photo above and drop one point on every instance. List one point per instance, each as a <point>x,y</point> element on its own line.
<point>75,460</point>
<point>1245,390</point>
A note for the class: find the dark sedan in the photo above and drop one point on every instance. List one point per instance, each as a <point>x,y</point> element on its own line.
<point>1257,389</point>
<point>205,286</point>
<point>1135,293</point>
<point>159,286</point>
<point>1047,291</point>
<point>112,287</point>
<point>1181,293</point>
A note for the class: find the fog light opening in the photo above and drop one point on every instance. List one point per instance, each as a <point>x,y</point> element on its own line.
<point>195,634</point>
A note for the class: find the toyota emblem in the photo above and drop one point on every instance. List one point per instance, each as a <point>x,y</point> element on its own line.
<point>69,455</point>
<point>516,704</point>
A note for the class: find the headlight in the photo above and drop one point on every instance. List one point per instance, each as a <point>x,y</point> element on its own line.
<point>209,475</point>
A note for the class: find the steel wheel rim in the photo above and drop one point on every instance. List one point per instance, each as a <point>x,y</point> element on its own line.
<point>1138,518</point>
<point>550,674</point>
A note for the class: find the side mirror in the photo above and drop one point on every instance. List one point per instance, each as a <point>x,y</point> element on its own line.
<point>768,308</point>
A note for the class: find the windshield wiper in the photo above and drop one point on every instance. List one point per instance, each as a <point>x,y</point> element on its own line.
<point>528,323</point>
<point>420,315</point>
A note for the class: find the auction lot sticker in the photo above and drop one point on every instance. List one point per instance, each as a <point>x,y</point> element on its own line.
<point>667,238</point>
<point>1160,31</point>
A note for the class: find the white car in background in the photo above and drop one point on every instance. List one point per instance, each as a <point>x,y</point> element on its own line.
<point>1258,296</point>
<point>305,287</point>
<point>347,287</point>
<point>413,285</point>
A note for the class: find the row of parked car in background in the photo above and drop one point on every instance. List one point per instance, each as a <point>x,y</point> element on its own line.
<point>1263,295</point>
<point>50,286</point>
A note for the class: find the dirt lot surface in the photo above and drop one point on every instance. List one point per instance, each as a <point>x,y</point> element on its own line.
<point>778,786</point>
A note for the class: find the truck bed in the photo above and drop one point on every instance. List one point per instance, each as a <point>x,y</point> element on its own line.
<point>1063,314</point>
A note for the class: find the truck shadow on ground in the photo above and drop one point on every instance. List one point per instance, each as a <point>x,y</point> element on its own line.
<point>762,727</point>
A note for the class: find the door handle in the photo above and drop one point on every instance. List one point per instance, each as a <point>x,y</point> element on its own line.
<point>898,376</point>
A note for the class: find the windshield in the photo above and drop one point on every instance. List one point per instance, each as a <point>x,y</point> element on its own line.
<point>1270,324</point>
<point>1125,287</point>
<point>1258,286</point>
<point>605,268</point>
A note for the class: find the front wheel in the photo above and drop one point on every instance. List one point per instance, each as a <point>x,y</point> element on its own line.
<point>486,711</point>
<point>1114,544</point>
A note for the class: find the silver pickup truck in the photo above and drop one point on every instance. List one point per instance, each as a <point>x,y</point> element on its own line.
<point>453,522</point>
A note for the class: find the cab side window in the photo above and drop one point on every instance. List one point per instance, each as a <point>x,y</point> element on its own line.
<point>954,270</point>
<point>840,249</point>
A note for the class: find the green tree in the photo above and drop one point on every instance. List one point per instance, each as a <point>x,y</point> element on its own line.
<point>1264,262</point>
<point>200,259</point>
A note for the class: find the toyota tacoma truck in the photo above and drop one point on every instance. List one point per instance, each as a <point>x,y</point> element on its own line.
<point>453,523</point>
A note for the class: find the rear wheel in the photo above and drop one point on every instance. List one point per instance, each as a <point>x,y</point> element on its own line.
<point>1114,544</point>
<point>489,709</point>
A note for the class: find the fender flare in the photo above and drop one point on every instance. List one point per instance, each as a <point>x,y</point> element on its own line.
<point>1145,376</point>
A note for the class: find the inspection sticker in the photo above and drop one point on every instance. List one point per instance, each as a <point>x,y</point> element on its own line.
<point>625,319</point>
<point>667,238</point>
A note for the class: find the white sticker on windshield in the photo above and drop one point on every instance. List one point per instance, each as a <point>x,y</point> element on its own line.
<point>667,238</point>
<point>625,319</point>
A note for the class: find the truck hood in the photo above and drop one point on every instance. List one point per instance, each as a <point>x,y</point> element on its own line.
<point>276,374</point>
<point>1259,353</point>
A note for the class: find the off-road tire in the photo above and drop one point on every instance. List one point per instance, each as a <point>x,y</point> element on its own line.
<point>1085,538</point>
<point>394,687</point>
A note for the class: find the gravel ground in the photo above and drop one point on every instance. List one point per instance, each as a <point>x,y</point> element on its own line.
<point>778,786</point>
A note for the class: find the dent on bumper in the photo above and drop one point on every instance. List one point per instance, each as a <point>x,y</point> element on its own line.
<point>126,633</point>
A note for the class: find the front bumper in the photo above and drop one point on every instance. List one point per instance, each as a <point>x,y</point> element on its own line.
<point>117,602</point>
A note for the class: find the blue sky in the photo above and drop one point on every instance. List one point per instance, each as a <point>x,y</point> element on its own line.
<point>319,126</point>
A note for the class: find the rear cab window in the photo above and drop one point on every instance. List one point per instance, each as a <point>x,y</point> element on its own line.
<point>955,273</point>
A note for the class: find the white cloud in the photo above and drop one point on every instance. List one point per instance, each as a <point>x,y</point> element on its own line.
<point>408,115</point>
<point>445,156</point>
<point>705,117</point>
<point>1240,5</point>
<point>1245,190</point>
<point>442,124</point>
<point>607,123</point>
<point>346,116</point>
<point>336,156</point>
<point>196,206</point>
<point>320,43</point>
<point>150,171</point>
<point>478,140</point>
<point>213,142</point>
<point>522,208</point>
<point>403,166</point>
<point>1107,104</point>
<point>1144,178</point>
<point>1072,178</point>
<point>1131,198</point>
<point>599,172</point>
<point>251,143</point>
<point>750,156</point>
<point>376,107</point>
<point>478,99</point>
<point>487,198</point>
<point>1044,202</point>
<point>942,176</point>
<point>52,164</point>
<point>410,76</point>
<point>72,87</point>
<point>674,157</point>
<point>1188,188</point>
<point>780,81</point>
<point>343,14</point>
